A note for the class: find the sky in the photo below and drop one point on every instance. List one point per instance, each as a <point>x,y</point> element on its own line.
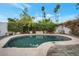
<point>66,12</point>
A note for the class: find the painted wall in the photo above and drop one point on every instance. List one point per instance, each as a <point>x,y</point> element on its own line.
<point>61,29</point>
<point>3,28</point>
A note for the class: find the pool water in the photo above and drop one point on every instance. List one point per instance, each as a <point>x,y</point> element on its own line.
<point>33,40</point>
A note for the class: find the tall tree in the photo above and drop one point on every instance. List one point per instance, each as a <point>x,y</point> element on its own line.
<point>57,7</point>
<point>25,20</point>
<point>43,11</point>
<point>77,6</point>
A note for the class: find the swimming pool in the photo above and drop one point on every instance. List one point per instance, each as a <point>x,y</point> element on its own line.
<point>33,40</point>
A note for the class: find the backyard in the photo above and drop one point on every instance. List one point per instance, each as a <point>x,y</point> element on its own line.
<point>52,31</point>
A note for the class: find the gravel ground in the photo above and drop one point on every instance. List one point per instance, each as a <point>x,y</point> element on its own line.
<point>69,50</point>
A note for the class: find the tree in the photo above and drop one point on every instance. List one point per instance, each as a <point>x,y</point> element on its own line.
<point>25,20</point>
<point>74,26</point>
<point>57,7</point>
<point>43,11</point>
<point>11,20</point>
<point>12,25</point>
<point>46,25</point>
<point>77,6</point>
<point>25,23</point>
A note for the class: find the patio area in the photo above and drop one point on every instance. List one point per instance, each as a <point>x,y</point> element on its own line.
<point>64,50</point>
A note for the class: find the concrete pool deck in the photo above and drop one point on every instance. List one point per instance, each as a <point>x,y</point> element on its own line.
<point>39,51</point>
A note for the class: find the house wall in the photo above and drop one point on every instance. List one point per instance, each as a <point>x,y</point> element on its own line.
<point>66,30</point>
<point>3,28</point>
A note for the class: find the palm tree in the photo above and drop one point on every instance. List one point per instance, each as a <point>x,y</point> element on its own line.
<point>43,11</point>
<point>57,7</point>
<point>44,18</point>
<point>77,6</point>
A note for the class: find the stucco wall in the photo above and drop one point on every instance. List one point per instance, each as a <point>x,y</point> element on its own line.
<point>65,29</point>
<point>3,28</point>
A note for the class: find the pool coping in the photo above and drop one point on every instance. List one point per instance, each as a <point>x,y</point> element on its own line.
<point>39,51</point>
